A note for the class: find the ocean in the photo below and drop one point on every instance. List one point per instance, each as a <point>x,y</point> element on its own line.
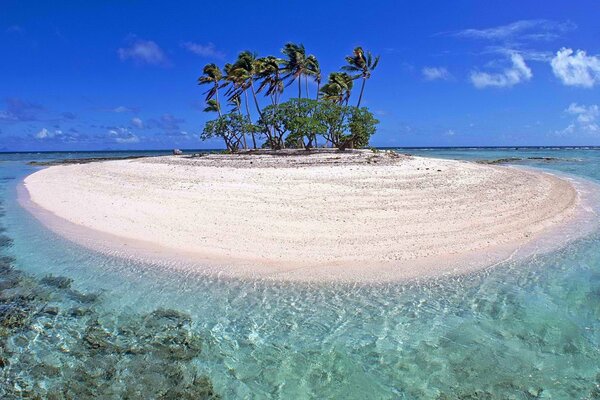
<point>78,324</point>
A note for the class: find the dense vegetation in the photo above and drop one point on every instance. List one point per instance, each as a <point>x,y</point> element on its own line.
<point>327,120</point>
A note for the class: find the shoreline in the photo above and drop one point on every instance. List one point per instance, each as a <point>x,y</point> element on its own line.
<point>552,229</point>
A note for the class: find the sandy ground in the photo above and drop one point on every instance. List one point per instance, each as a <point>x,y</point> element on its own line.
<point>355,217</point>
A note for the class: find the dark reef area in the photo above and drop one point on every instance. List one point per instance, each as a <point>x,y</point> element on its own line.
<point>68,161</point>
<point>57,343</point>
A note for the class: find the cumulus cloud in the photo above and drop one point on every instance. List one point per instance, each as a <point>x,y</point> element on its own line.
<point>137,122</point>
<point>43,134</point>
<point>586,118</point>
<point>204,50</point>
<point>131,138</point>
<point>576,68</point>
<point>58,135</point>
<point>123,135</point>
<point>143,52</point>
<point>533,29</point>
<point>435,73</point>
<point>518,72</point>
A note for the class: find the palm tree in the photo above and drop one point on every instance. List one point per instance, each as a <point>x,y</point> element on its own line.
<point>296,64</point>
<point>338,88</point>
<point>212,75</point>
<point>362,65</point>
<point>268,70</point>
<point>237,78</point>
<point>242,74</point>
<point>211,106</point>
<point>315,71</point>
<point>236,103</point>
<point>250,65</point>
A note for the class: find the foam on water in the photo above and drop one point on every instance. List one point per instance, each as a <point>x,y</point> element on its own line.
<point>526,329</point>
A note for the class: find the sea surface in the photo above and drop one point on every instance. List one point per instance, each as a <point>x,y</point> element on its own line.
<point>76,324</point>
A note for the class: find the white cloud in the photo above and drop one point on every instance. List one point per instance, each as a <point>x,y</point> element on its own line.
<point>129,139</point>
<point>137,122</point>
<point>450,132</point>
<point>576,68</point>
<point>518,72</point>
<point>43,134</point>
<point>7,116</point>
<point>586,117</point>
<point>143,52</point>
<point>533,29</point>
<point>122,109</point>
<point>528,54</point>
<point>204,50</point>
<point>57,134</point>
<point>519,37</point>
<point>123,135</point>
<point>434,73</point>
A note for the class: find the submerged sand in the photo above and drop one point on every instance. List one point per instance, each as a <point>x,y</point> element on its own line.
<point>360,216</point>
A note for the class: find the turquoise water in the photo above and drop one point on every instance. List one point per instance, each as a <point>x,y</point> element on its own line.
<point>111,328</point>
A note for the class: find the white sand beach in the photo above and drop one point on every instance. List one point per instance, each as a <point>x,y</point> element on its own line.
<point>359,216</point>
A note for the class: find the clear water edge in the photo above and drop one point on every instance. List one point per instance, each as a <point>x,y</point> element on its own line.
<point>521,330</point>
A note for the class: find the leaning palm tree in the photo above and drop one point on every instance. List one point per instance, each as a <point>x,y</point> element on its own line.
<point>338,88</point>
<point>212,106</point>
<point>363,65</point>
<point>268,71</point>
<point>237,79</point>
<point>315,71</point>
<point>295,66</point>
<point>249,65</point>
<point>212,75</point>
<point>242,74</point>
<point>331,92</point>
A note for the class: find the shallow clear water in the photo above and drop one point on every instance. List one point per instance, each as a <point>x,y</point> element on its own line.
<point>522,330</point>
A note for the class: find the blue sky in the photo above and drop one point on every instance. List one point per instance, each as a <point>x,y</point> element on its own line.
<point>122,74</point>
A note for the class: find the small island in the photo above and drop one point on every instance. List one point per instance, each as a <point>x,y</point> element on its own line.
<point>297,194</point>
<point>319,215</point>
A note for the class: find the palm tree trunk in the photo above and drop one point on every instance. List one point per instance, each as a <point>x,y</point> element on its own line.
<point>306,86</point>
<point>300,87</point>
<point>362,88</point>
<point>318,89</point>
<point>243,133</point>
<point>255,100</point>
<point>249,119</point>
<point>218,104</point>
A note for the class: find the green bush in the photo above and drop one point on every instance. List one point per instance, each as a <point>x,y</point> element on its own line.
<point>299,123</point>
<point>232,128</point>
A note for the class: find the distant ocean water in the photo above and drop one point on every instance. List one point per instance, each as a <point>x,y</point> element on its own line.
<point>79,324</point>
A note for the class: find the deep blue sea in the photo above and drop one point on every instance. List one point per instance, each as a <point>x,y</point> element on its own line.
<point>75,324</point>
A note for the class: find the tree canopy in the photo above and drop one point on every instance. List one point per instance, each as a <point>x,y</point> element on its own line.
<point>326,119</point>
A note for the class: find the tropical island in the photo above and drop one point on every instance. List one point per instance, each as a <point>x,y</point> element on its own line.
<point>243,200</point>
<point>297,195</point>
